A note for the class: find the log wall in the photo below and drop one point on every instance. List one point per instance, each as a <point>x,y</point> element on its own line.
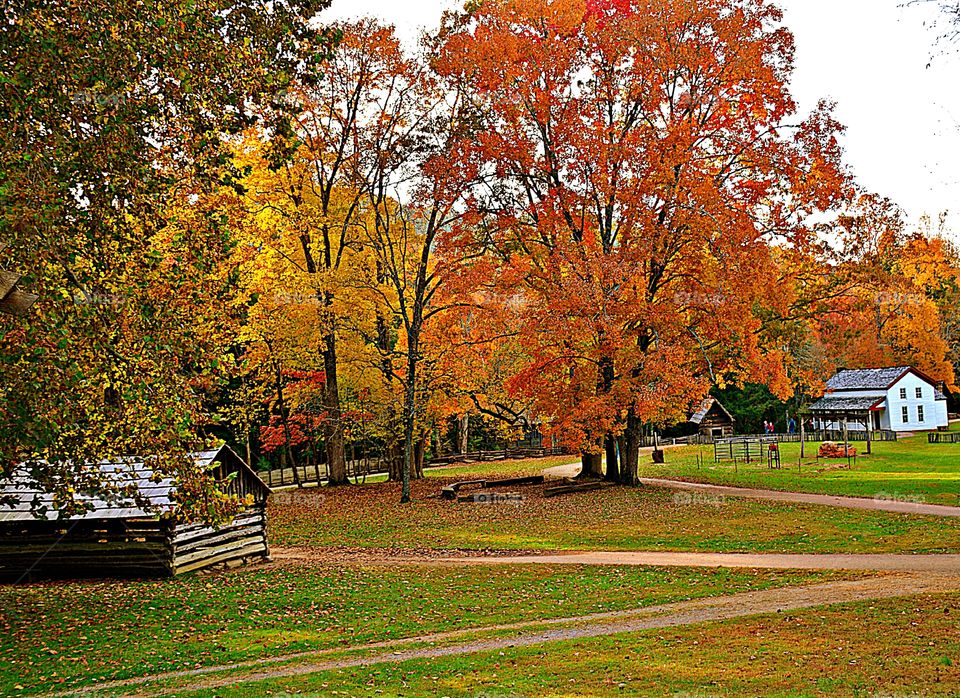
<point>195,546</point>
<point>89,548</point>
<point>32,550</point>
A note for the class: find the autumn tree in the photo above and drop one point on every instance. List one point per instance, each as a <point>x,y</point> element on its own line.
<point>113,117</point>
<point>289,307</point>
<point>329,182</point>
<point>899,289</point>
<point>368,180</point>
<point>650,164</point>
<point>324,170</point>
<point>300,218</point>
<point>421,233</point>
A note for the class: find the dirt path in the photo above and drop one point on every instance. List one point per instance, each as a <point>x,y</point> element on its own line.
<point>828,500</point>
<point>874,562</point>
<point>940,564</point>
<point>895,506</point>
<point>538,632</point>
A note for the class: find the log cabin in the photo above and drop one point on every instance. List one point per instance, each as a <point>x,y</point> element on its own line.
<point>117,537</point>
<point>712,419</point>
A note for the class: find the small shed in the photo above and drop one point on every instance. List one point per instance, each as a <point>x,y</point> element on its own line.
<point>712,419</point>
<point>118,538</point>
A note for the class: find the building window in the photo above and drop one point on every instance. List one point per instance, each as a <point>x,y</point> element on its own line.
<point>919,393</point>
<point>903,394</point>
<point>905,414</point>
<point>919,413</point>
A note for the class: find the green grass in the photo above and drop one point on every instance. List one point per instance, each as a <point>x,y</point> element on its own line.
<point>909,469</point>
<point>902,647</point>
<point>64,635</point>
<point>494,469</point>
<point>612,519</point>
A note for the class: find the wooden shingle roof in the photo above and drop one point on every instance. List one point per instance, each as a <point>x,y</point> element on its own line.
<point>704,410</point>
<point>133,474</point>
<point>840,403</point>
<point>871,378</point>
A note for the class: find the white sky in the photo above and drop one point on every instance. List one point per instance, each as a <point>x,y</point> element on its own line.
<point>870,57</point>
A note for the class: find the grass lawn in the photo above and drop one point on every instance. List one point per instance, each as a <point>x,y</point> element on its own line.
<point>57,636</point>
<point>65,635</point>
<point>494,469</point>
<point>909,469</point>
<point>900,647</point>
<point>611,519</point>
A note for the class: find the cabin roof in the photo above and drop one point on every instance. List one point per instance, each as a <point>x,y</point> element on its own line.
<point>872,378</point>
<point>130,473</point>
<point>704,410</point>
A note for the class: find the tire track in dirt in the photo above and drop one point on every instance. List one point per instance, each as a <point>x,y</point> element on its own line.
<point>533,633</point>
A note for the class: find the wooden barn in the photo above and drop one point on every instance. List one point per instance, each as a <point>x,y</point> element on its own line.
<point>117,538</point>
<point>712,419</point>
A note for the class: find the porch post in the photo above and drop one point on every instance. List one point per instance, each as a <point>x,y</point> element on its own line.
<point>846,437</point>
<point>802,437</point>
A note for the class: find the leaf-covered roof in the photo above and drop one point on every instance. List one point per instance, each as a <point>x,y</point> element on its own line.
<point>132,474</point>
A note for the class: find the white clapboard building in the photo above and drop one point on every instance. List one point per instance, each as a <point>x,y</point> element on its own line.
<point>899,398</point>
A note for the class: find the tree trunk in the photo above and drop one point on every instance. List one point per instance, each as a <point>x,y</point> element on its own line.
<point>333,427</point>
<point>463,432</point>
<point>612,473</point>
<point>605,380</point>
<point>249,451</point>
<point>631,452</point>
<point>393,454</point>
<point>419,453</point>
<point>592,466</point>
<point>409,417</point>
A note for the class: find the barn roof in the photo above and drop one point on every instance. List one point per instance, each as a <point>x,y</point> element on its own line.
<point>704,410</point>
<point>872,378</point>
<point>153,488</point>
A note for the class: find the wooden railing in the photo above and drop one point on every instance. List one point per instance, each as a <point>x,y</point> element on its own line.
<point>318,473</point>
<point>944,437</point>
<point>744,448</point>
<point>808,437</point>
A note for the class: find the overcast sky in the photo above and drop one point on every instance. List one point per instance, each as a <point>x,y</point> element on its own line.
<point>871,57</point>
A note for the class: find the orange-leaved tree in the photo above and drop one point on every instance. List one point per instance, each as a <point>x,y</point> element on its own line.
<point>421,178</point>
<point>649,164</point>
